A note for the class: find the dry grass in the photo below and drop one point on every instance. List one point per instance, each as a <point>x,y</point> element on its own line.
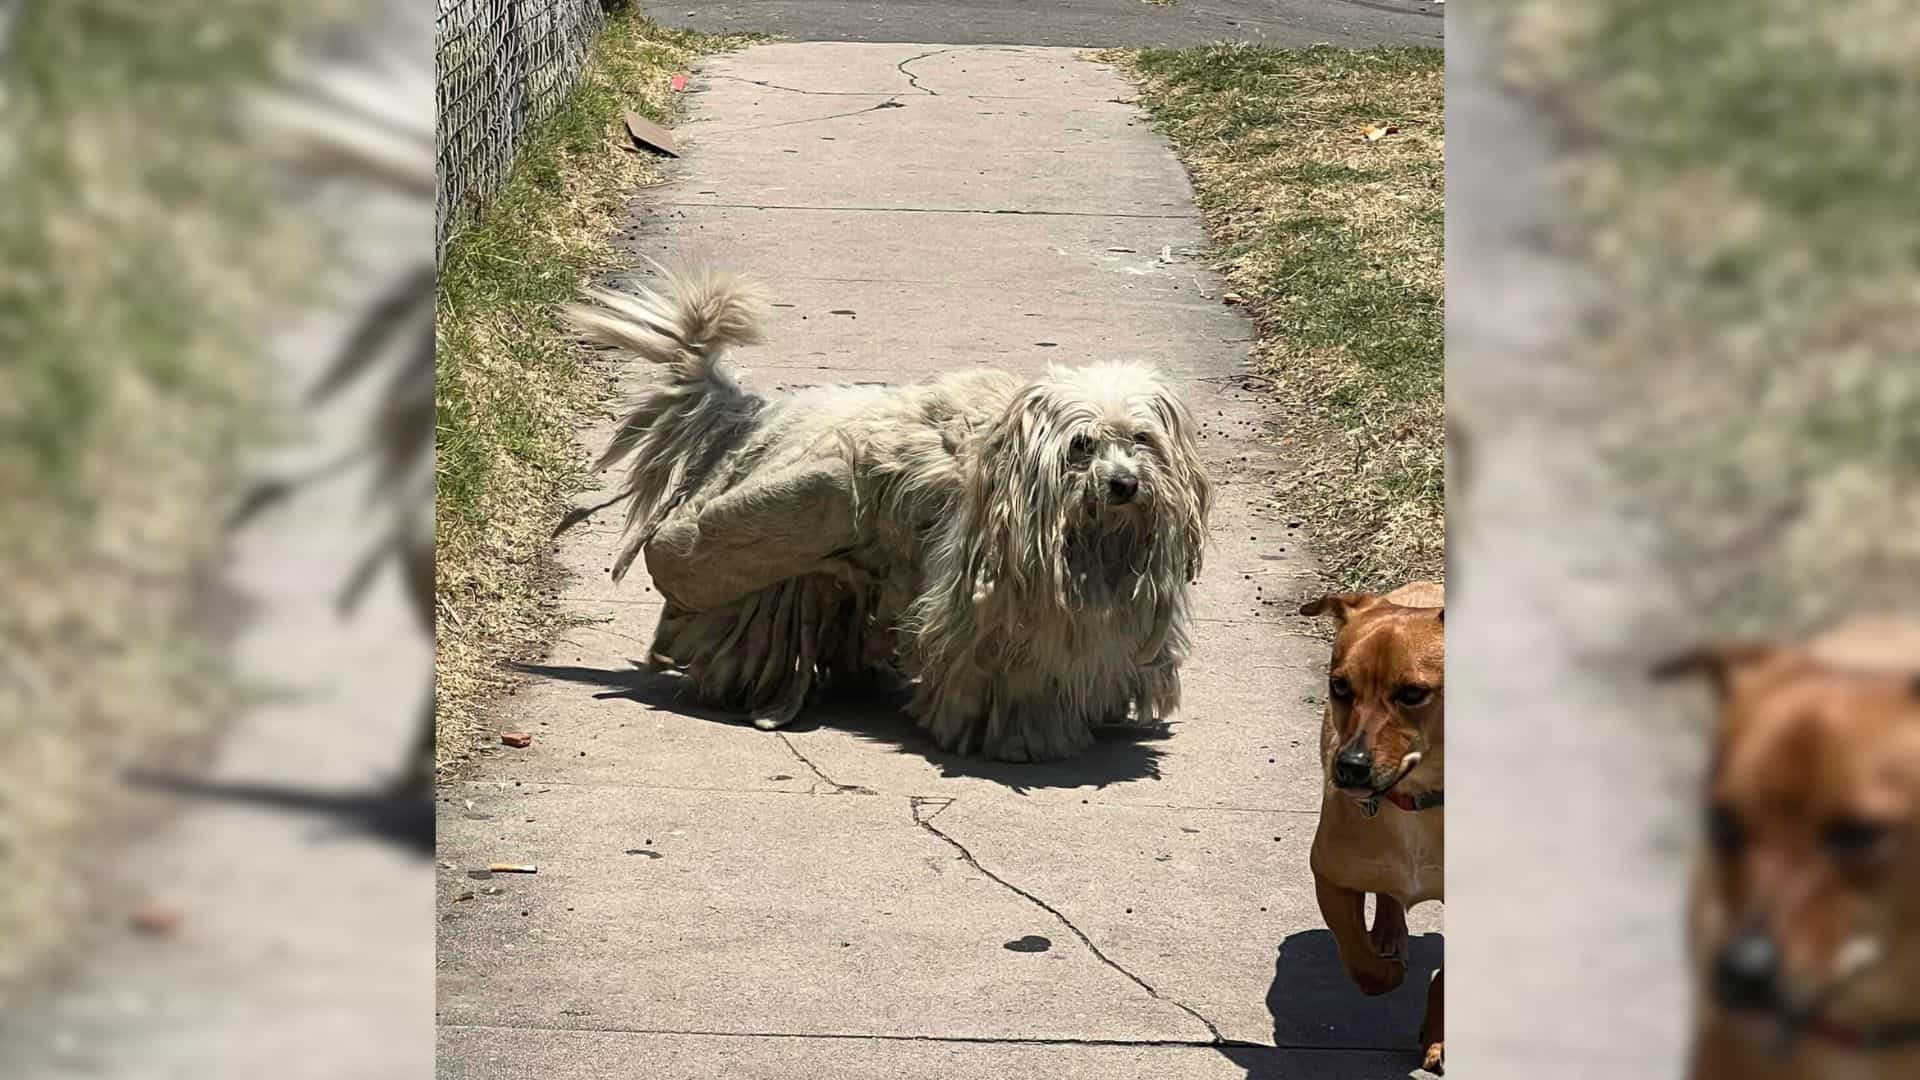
<point>1746,189</point>
<point>511,387</point>
<point>1333,242</point>
<point>135,261</point>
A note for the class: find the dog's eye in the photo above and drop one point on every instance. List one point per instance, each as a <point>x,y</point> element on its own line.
<point>1855,840</point>
<point>1724,830</point>
<point>1339,690</point>
<point>1141,438</point>
<point>1412,697</point>
<point>1081,446</point>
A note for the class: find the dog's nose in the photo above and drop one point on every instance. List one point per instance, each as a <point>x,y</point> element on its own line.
<point>1122,488</point>
<point>1747,973</point>
<point>1353,768</point>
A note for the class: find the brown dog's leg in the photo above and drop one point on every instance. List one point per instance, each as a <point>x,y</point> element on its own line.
<point>1720,1054</point>
<point>1345,911</point>
<point>1431,1028</point>
<point>1389,933</point>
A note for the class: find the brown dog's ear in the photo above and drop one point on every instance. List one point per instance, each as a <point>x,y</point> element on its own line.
<point>1723,664</point>
<point>1342,606</point>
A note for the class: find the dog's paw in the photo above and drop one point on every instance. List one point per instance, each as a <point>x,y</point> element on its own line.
<point>1389,946</point>
<point>1383,975</point>
<point>1029,745</point>
<point>1014,749</point>
<point>1434,1060</point>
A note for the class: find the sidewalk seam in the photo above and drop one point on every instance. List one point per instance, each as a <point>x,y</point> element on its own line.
<point>986,1040</point>
<point>923,209</point>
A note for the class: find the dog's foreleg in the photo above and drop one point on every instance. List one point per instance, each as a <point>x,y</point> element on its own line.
<point>1389,932</point>
<point>1345,911</point>
<point>1162,626</point>
<point>1038,732</point>
<point>1432,1040</point>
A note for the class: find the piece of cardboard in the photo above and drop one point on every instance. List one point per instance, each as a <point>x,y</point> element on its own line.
<point>651,136</point>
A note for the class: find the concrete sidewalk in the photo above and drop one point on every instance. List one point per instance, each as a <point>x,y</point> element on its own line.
<point>840,898</point>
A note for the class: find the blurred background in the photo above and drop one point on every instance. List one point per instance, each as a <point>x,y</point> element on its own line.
<point>1683,274</point>
<point>215,462</point>
<point>1684,292</point>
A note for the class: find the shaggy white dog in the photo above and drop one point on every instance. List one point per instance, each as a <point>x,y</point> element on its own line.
<point>1021,547</point>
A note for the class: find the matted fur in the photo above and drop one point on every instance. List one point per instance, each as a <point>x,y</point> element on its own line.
<point>979,532</point>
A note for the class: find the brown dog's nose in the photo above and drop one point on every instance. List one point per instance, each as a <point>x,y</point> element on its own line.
<point>1747,973</point>
<point>1122,488</point>
<point>1353,768</point>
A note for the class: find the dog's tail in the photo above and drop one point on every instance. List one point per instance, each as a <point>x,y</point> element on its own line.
<point>686,327</point>
<point>679,427</point>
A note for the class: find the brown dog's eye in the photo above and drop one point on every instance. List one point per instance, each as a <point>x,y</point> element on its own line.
<point>1339,690</point>
<point>1724,830</point>
<point>1081,446</point>
<point>1141,438</point>
<point>1412,697</point>
<point>1854,840</point>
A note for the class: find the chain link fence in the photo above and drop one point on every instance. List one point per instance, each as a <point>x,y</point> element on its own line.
<point>499,66</point>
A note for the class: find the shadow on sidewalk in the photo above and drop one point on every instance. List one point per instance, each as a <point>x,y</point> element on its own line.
<point>1315,1007</point>
<point>399,816</point>
<point>876,714</point>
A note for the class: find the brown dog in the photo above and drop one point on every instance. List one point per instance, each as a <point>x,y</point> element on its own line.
<point>1382,744</point>
<point>1805,922</point>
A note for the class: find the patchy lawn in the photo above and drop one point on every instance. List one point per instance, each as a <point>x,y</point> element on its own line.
<point>1744,191</point>
<point>510,385</point>
<point>1319,172</point>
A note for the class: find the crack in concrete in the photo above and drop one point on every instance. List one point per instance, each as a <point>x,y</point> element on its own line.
<point>914,82</point>
<point>797,90</point>
<point>890,103</point>
<point>838,788</point>
<point>917,802</point>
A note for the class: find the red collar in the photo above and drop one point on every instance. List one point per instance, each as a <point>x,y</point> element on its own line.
<point>1370,805</point>
<point>1879,1037</point>
<point>1413,803</point>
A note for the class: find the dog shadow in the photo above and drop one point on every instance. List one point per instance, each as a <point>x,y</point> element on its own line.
<point>1314,1007</point>
<point>876,714</point>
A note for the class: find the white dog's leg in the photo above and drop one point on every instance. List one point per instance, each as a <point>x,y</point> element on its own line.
<point>1039,731</point>
<point>1159,694</point>
<point>954,704</point>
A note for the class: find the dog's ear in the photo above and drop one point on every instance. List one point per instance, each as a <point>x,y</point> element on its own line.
<point>1190,491</point>
<point>1342,606</point>
<point>1723,665</point>
<point>1017,503</point>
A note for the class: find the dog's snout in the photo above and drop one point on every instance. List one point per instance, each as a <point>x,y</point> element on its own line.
<point>1747,972</point>
<point>1353,767</point>
<point>1122,488</point>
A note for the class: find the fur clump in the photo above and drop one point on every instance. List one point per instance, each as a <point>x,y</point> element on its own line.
<point>1022,548</point>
